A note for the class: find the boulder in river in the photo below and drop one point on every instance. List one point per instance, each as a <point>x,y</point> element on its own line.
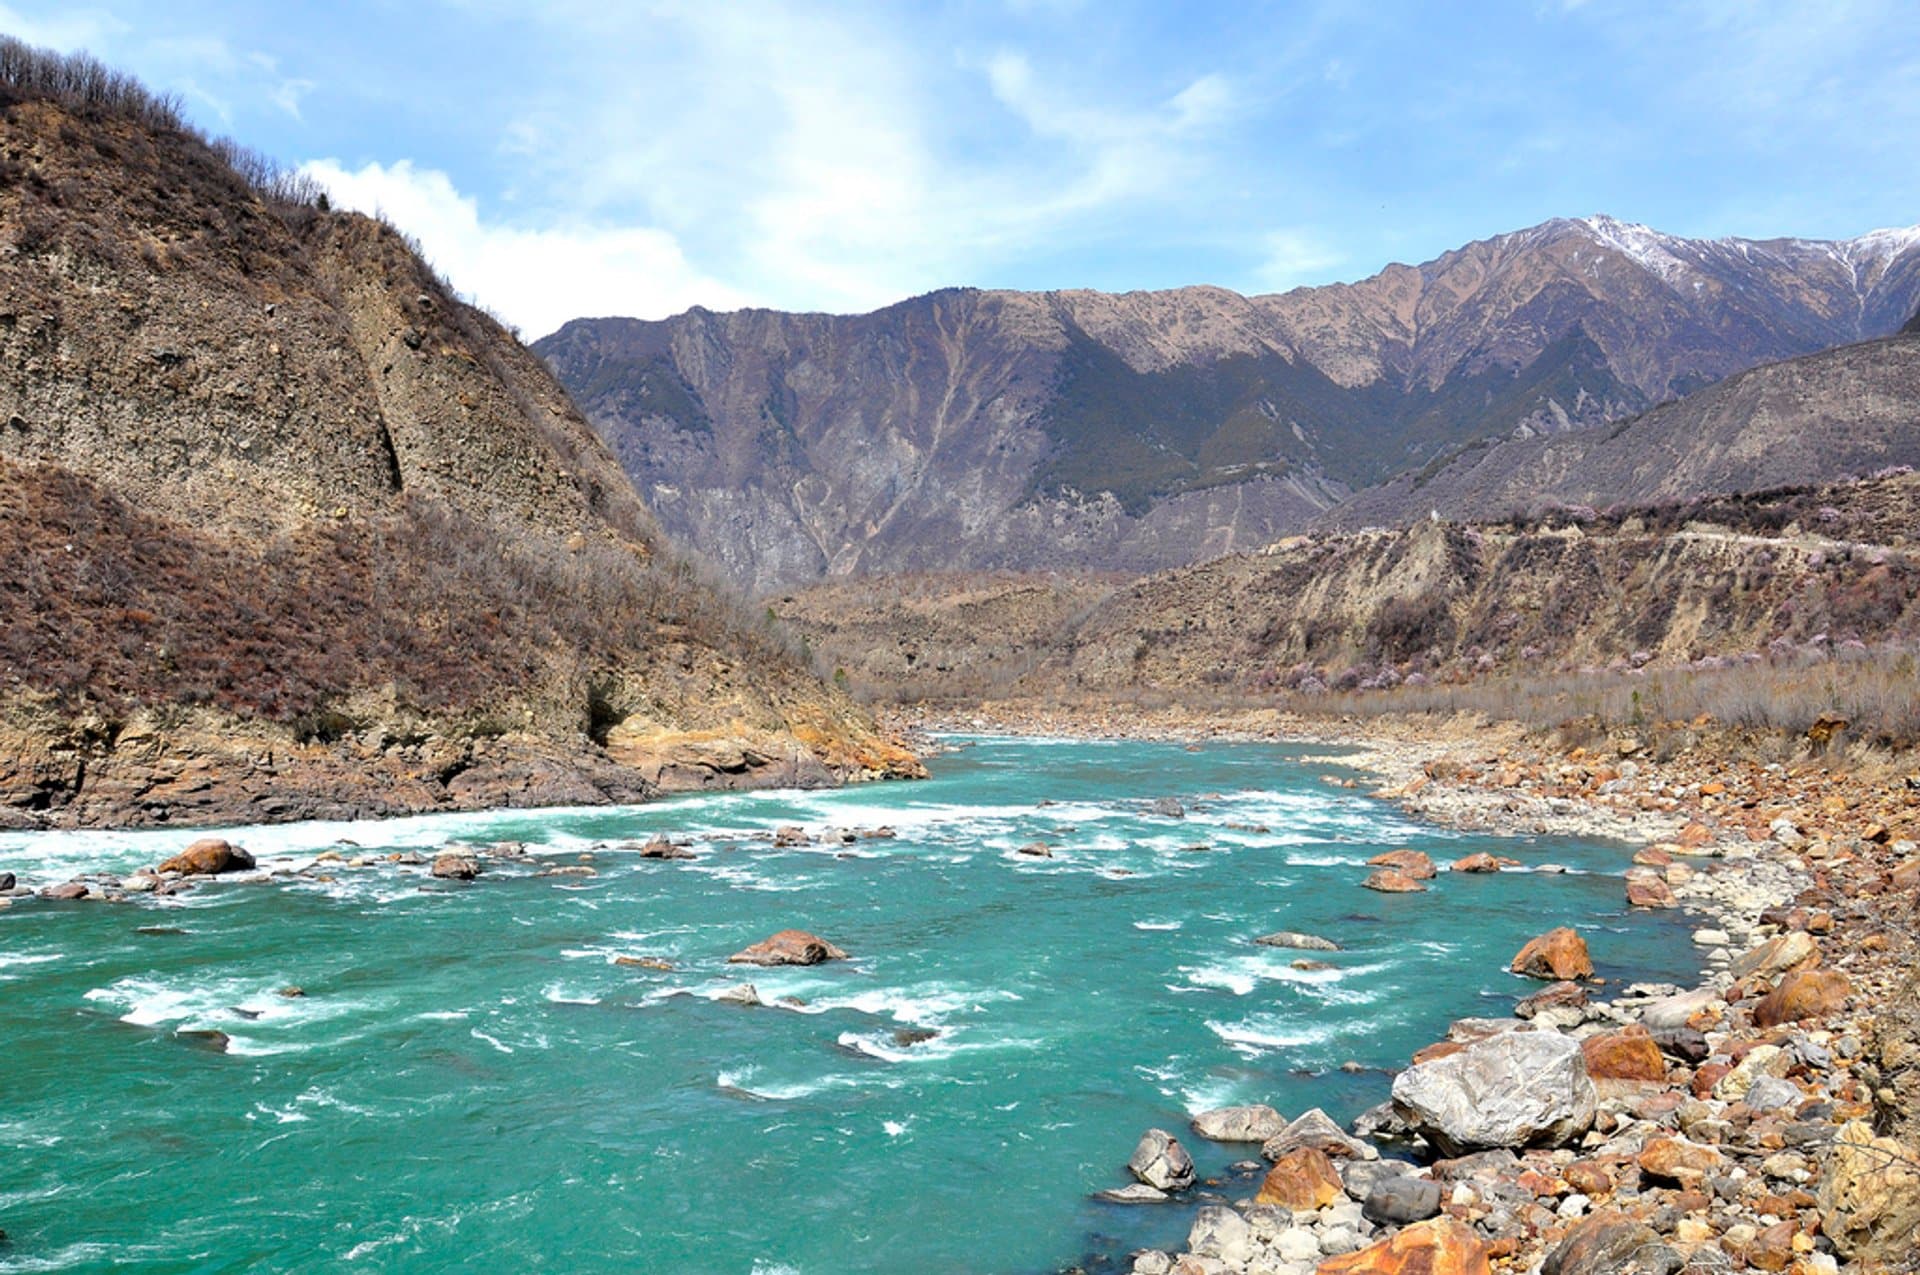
<point>791,835</point>
<point>1479,861</point>
<point>661,848</point>
<point>1417,864</point>
<point>1648,889</point>
<point>1161,1162</point>
<point>788,947</point>
<point>208,857</point>
<point>1515,1089</point>
<point>740,994</point>
<point>1392,881</point>
<point>1557,955</point>
<point>1037,850</point>
<point>456,867</point>
<point>1133,1193</point>
<point>7,881</point>
<point>1254,1123</point>
<point>1169,808</point>
<point>1295,939</point>
<point>66,891</point>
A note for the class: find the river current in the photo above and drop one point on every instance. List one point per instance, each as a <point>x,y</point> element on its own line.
<point>472,1082</point>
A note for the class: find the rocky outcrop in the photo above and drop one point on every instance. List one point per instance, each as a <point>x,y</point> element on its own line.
<point>1514,1089</point>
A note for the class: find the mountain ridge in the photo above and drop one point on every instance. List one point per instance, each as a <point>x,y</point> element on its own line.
<point>991,429</point>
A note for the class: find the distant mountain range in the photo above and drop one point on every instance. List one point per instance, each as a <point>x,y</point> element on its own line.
<point>970,429</point>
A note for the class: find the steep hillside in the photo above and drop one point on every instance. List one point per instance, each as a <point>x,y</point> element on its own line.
<point>1004,430</point>
<point>1775,575</point>
<point>1847,411</point>
<point>289,530</point>
<point>1712,580</point>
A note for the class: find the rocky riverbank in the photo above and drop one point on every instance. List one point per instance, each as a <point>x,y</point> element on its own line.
<point>1765,1119</point>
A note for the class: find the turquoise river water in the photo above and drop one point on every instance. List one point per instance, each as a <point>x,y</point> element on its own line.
<point>472,1083</point>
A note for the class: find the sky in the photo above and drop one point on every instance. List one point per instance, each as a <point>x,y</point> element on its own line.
<point>566,159</point>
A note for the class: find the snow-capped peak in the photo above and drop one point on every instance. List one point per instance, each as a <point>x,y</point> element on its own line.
<point>1886,244</point>
<point>1645,245</point>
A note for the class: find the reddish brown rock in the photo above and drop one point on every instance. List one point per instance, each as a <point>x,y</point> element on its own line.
<point>208,857</point>
<point>1678,1160</point>
<point>1568,995</point>
<point>1695,835</point>
<point>1630,1054</point>
<point>1589,1178</point>
<point>1650,892</point>
<point>788,947</point>
<point>1416,864</point>
<point>1481,862</point>
<point>1557,955</point>
<point>1653,857</point>
<point>65,892</point>
<point>1391,881</point>
<point>1803,994</point>
<point>1443,1246</point>
<point>455,867</point>
<point>1301,1180</point>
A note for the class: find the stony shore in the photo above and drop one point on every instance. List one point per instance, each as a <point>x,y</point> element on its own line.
<point>1766,1119</point>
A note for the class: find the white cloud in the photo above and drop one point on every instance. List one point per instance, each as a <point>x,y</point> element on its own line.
<point>1293,258</point>
<point>535,279</point>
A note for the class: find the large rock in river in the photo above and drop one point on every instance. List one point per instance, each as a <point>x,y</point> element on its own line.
<point>1295,939</point>
<point>1416,864</point>
<point>788,947</point>
<point>1557,955</point>
<point>1516,1089</point>
<point>208,857</point>
<point>1161,1162</point>
<point>1239,1124</point>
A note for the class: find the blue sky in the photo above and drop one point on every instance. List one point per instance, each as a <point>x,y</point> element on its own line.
<point>559,159</point>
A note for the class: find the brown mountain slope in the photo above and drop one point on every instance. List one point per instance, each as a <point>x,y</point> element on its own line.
<point>1018,431</point>
<point>290,531</point>
<point>1782,575</point>
<point>1846,411</point>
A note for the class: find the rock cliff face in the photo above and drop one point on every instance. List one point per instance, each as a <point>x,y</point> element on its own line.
<point>1006,430</point>
<point>290,531</point>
